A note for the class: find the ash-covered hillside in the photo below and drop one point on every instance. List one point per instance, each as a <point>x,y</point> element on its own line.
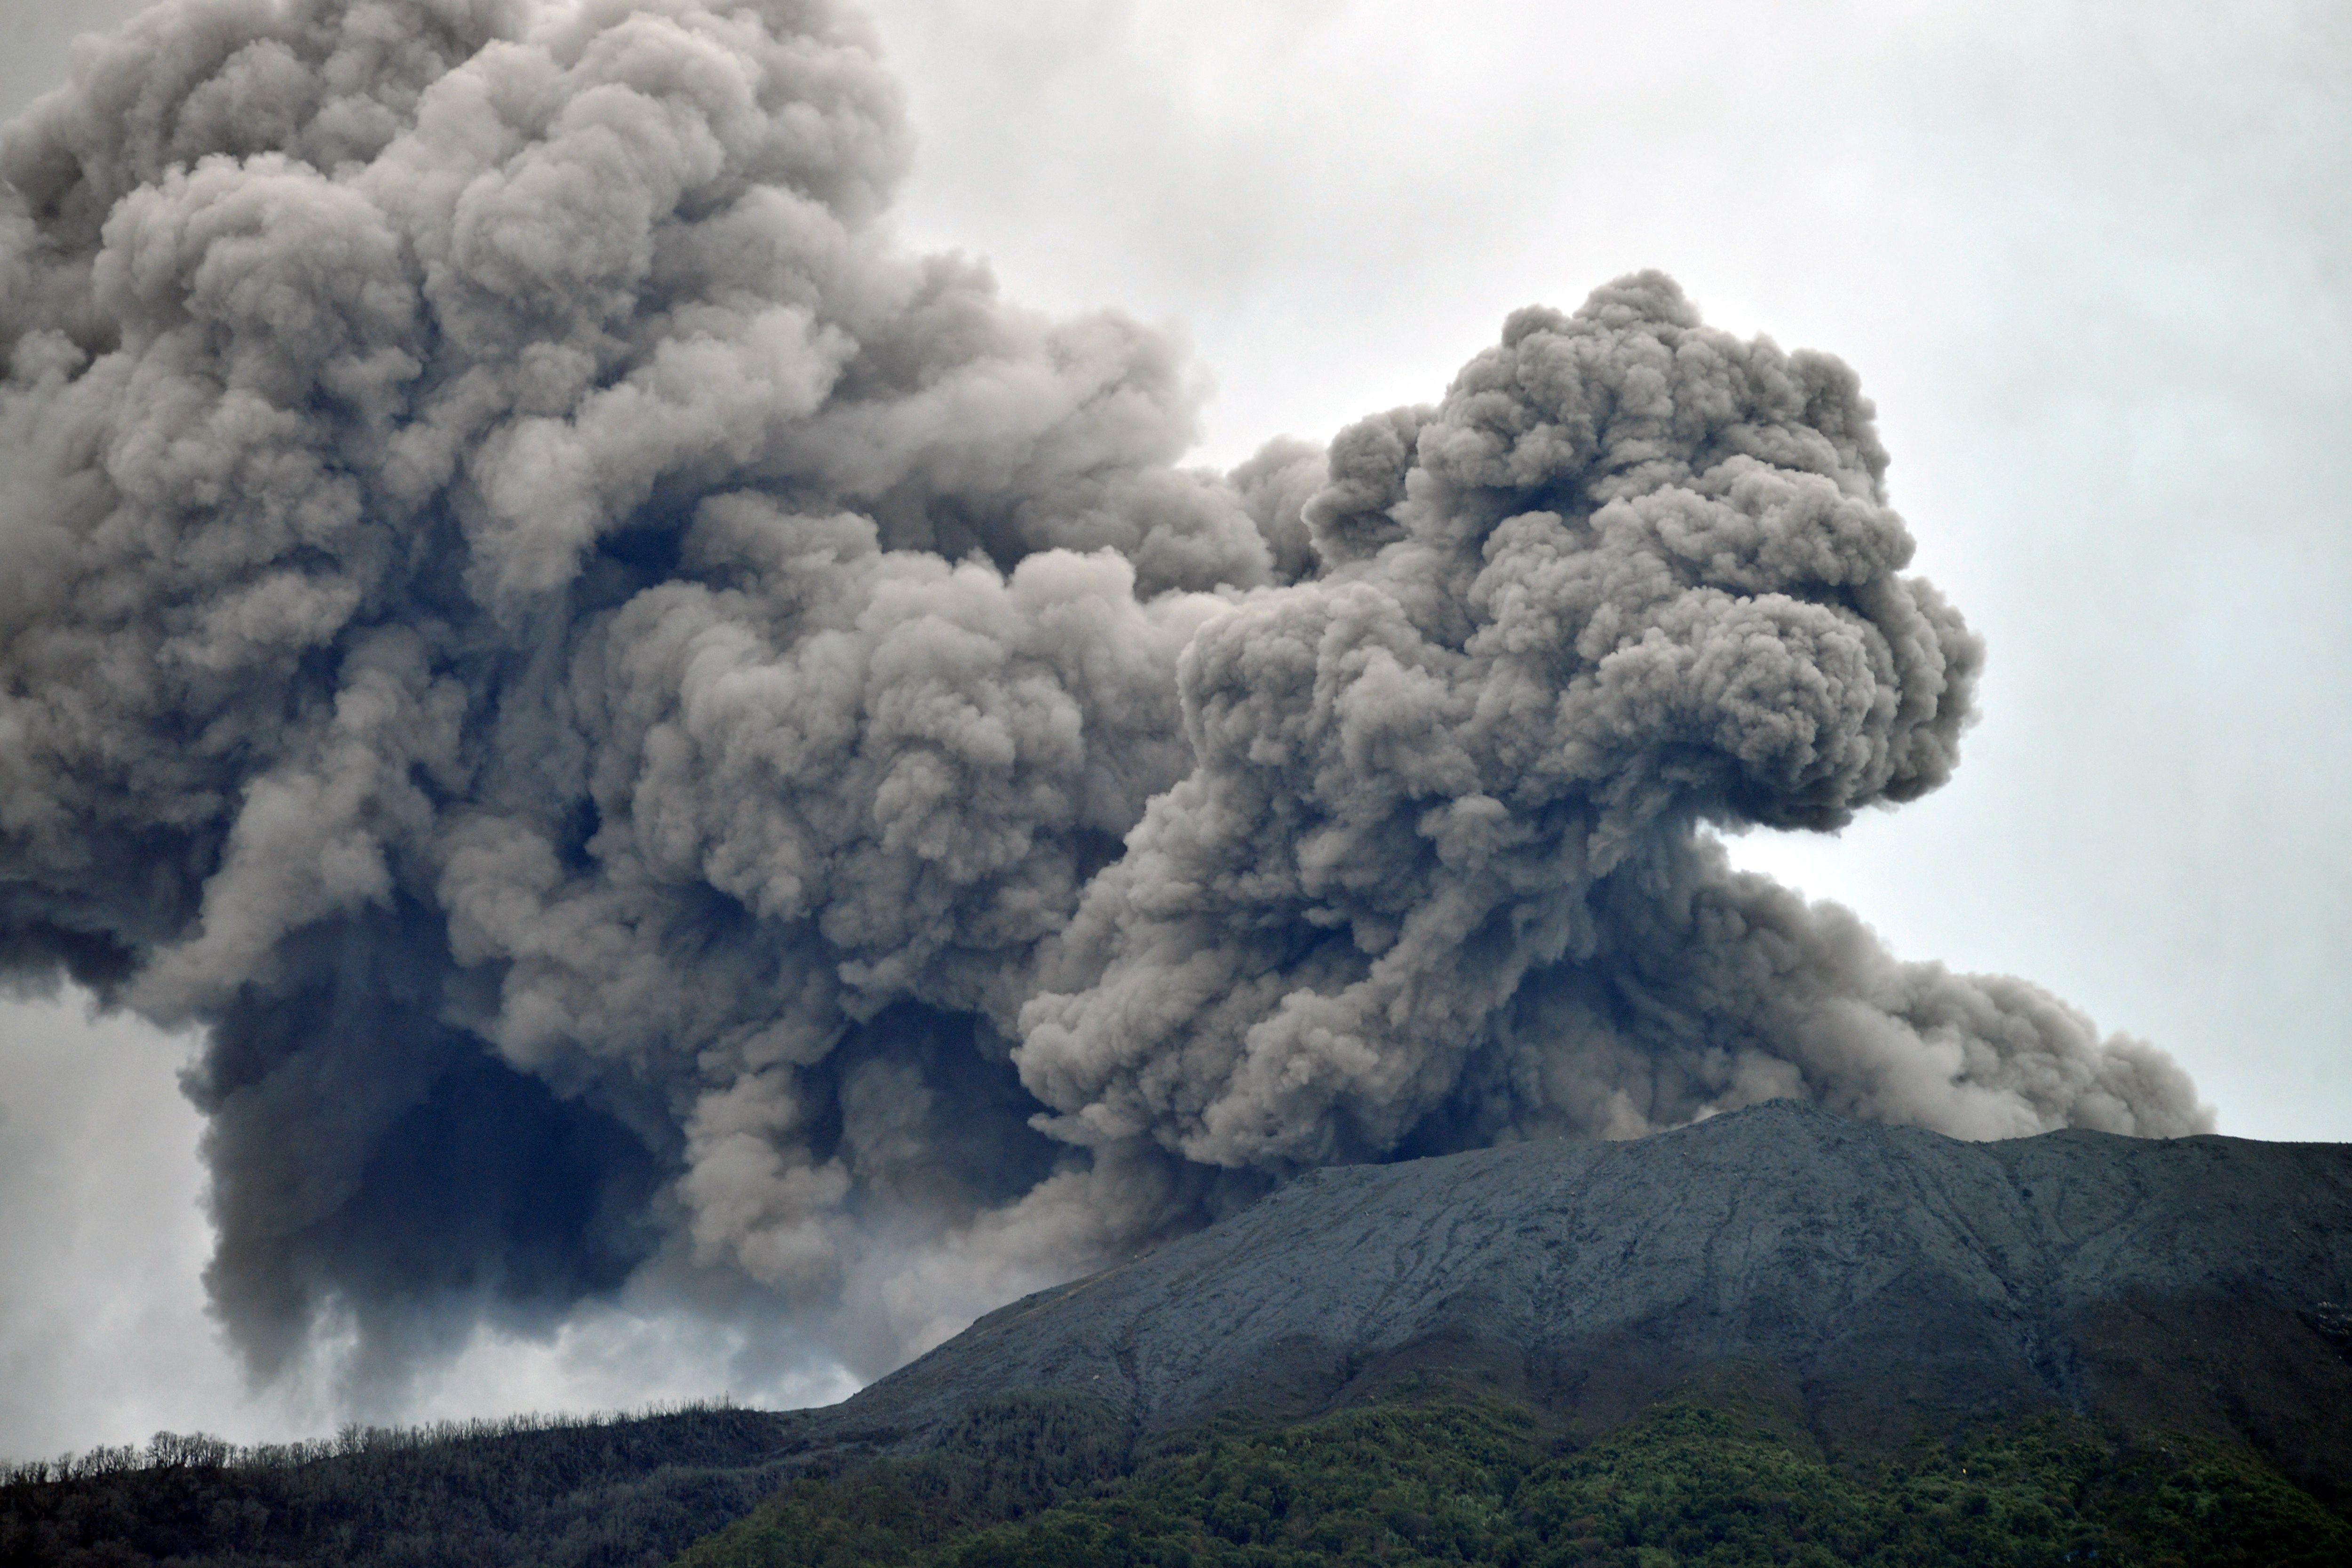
<point>1890,1281</point>
<point>1804,1334</point>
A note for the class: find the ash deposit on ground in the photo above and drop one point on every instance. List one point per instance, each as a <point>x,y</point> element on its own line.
<point>669,741</point>
<point>1875,1283</point>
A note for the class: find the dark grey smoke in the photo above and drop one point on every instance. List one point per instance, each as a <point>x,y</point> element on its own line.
<point>670,738</point>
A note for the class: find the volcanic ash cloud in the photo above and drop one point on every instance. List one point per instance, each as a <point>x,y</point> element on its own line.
<point>668,740</point>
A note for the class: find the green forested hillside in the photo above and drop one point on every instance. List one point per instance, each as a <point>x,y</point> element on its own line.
<point>617,1492</point>
<point>1430,1475</point>
<point>1439,1479</point>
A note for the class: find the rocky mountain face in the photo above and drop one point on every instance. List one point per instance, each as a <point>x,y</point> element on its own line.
<point>1883,1280</point>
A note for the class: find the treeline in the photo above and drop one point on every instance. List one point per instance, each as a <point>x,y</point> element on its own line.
<point>1449,1481</point>
<point>201,1450</point>
<point>1431,1476</point>
<point>611,1493</point>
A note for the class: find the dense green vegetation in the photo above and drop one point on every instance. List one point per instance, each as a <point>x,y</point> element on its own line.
<point>1003,1460</point>
<point>1431,1476</point>
<point>1455,1481</point>
<point>599,1493</point>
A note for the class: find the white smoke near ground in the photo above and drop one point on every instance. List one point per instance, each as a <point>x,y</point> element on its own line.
<point>668,740</point>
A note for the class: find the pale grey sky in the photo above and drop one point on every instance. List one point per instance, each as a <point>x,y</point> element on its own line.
<point>2091,261</point>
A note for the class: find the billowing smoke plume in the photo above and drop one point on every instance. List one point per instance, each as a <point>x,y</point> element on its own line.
<point>664,736</point>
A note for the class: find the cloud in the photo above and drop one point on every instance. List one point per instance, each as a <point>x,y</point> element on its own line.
<point>671,742</point>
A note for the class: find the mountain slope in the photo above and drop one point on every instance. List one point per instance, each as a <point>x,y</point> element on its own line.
<point>1889,1279</point>
<point>1702,1331</point>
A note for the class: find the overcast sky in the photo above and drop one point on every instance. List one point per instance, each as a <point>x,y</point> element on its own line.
<point>2092,262</point>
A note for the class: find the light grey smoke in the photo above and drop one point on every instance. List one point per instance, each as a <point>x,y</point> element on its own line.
<point>666,737</point>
